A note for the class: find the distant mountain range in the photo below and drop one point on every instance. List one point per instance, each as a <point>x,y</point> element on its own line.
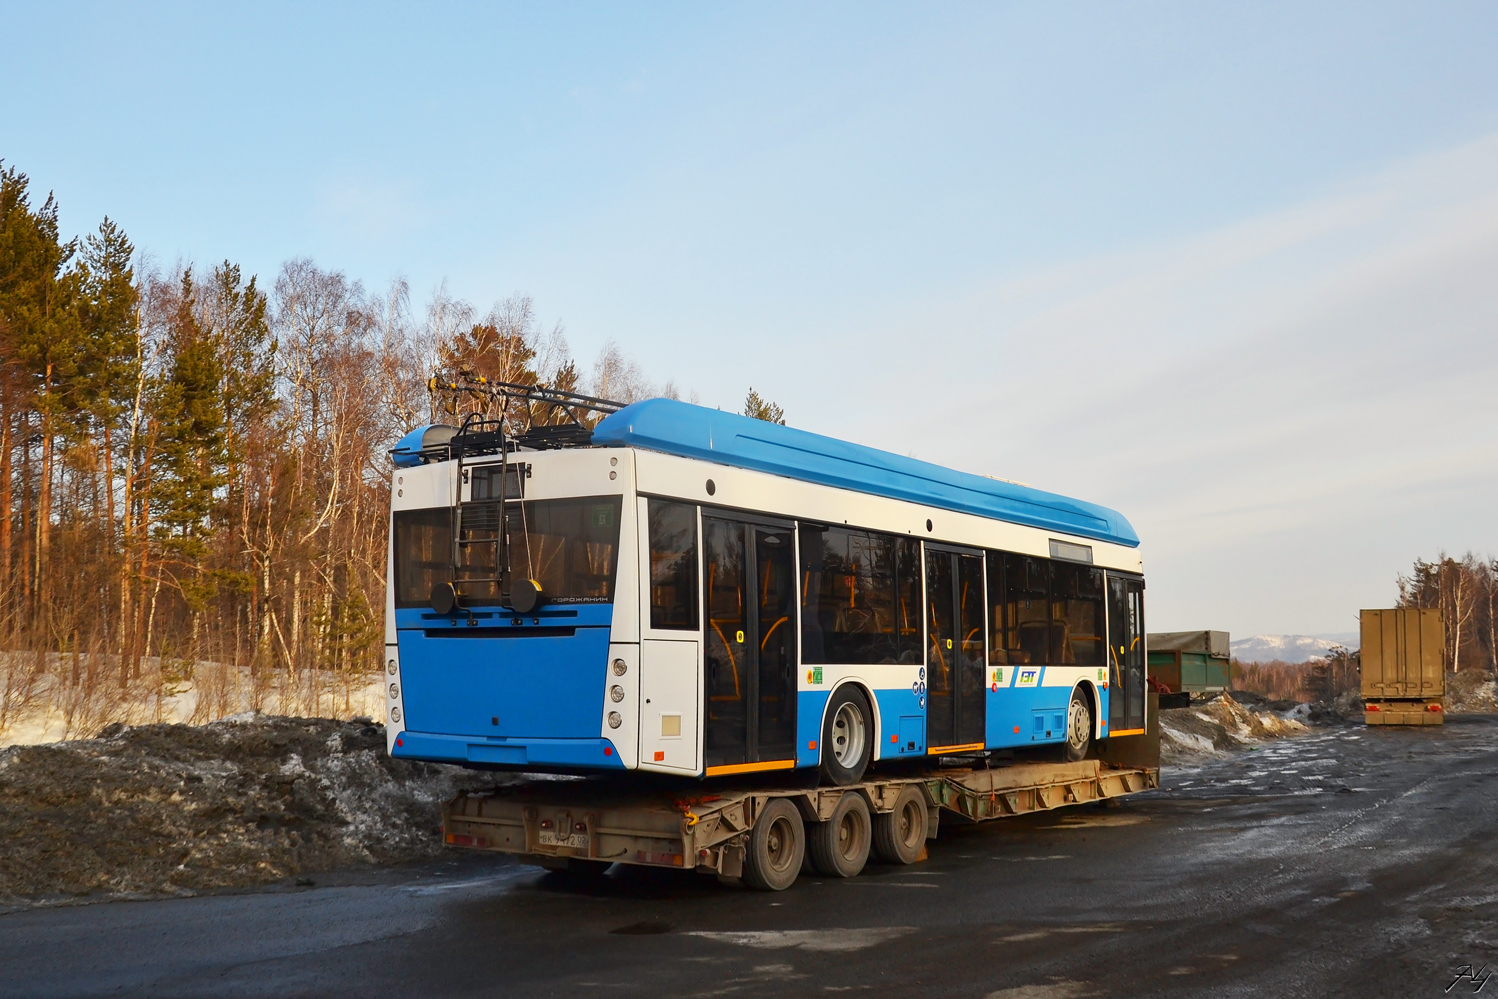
<point>1290,648</point>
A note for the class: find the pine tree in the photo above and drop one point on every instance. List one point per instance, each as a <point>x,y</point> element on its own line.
<point>763,409</point>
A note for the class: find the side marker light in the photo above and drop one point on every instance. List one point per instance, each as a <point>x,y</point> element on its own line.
<point>1432,707</point>
<point>812,744</point>
<point>608,750</point>
<point>894,738</point>
<point>400,742</point>
<point>660,756</point>
<point>1370,707</point>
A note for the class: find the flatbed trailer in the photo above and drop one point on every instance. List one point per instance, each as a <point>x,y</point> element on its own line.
<point>764,836</point>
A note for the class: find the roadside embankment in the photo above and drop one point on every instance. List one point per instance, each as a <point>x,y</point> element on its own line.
<point>174,809</point>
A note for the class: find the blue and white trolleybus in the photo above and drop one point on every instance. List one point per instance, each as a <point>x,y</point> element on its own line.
<point>686,591</point>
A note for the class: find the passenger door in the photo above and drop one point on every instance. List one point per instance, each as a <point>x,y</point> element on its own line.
<point>955,651</point>
<point>749,643</point>
<point>1126,697</point>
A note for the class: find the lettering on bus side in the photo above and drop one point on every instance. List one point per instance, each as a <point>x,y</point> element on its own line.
<point>1027,676</point>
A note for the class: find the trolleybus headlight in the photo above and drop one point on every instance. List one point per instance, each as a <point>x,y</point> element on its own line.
<point>395,714</point>
<point>394,691</point>
<point>391,667</point>
<point>620,667</point>
<point>615,719</point>
<point>617,693</point>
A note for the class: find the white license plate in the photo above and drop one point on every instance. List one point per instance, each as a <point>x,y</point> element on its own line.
<point>577,841</point>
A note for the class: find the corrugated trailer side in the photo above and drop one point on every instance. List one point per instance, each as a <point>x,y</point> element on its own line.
<point>1403,666</point>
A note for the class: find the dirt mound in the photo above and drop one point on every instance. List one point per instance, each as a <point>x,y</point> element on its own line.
<point>1471,690</point>
<point>170,809</point>
<point>1218,727</point>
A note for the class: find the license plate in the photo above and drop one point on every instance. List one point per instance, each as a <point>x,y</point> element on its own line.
<point>549,837</point>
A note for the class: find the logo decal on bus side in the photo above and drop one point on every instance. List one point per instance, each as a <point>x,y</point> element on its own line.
<point>1028,677</point>
<point>814,675</point>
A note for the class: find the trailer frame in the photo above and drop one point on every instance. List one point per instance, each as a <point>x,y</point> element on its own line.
<point>552,823</point>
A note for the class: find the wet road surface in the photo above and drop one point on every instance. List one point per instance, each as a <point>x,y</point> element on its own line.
<point>1349,862</point>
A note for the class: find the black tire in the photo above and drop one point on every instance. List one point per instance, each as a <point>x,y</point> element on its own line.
<point>900,835</point>
<point>777,844</point>
<point>847,737</point>
<point>1079,723</point>
<point>840,846</point>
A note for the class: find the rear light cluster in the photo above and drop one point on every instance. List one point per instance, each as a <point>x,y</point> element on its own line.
<point>616,693</point>
<point>394,691</point>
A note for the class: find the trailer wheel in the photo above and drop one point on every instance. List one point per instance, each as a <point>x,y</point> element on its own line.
<point>1078,728</point>
<point>847,737</point>
<point>776,845</point>
<point>840,846</point>
<point>900,835</point>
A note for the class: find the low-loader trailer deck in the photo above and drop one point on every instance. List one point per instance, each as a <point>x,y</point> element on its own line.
<point>765,836</point>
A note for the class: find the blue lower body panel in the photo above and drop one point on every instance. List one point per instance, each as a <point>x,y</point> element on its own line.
<point>540,753</point>
<point>902,723</point>
<point>525,688</point>
<point>1013,711</point>
<point>809,707</point>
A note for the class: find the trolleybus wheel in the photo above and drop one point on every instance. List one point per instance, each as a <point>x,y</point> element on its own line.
<point>900,835</point>
<point>1078,727</point>
<point>772,859</point>
<point>840,846</point>
<point>847,737</point>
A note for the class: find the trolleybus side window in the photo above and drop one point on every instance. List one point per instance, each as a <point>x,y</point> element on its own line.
<point>1076,615</point>
<point>1027,625</point>
<point>673,565</point>
<point>423,553</point>
<point>860,597</point>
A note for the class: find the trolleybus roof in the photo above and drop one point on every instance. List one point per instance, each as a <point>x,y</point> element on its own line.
<point>688,431</point>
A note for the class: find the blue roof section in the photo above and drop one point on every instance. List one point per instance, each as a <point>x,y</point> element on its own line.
<point>689,431</point>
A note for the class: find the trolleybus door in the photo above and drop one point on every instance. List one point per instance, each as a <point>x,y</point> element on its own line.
<point>749,661</point>
<point>1125,655</point>
<point>955,651</point>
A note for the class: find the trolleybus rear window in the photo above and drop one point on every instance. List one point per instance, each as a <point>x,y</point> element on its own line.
<point>569,546</point>
<point>423,554</point>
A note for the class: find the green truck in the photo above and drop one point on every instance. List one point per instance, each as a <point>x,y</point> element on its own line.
<point>1190,662</point>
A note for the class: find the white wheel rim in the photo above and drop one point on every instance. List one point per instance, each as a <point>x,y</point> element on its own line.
<point>1078,734</point>
<point>848,735</point>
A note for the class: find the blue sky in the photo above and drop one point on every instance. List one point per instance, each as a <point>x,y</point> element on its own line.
<point>1226,268</point>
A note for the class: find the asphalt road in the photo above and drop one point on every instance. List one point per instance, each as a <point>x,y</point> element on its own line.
<point>1351,862</point>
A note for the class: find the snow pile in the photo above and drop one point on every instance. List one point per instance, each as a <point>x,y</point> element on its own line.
<point>1470,690</point>
<point>1219,726</point>
<point>171,809</point>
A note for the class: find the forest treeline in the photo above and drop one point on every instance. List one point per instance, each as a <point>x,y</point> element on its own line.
<point>1464,589</point>
<point>194,467</point>
<point>1466,592</point>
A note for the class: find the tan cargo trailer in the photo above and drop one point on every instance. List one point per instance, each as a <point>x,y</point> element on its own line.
<point>1404,669</point>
